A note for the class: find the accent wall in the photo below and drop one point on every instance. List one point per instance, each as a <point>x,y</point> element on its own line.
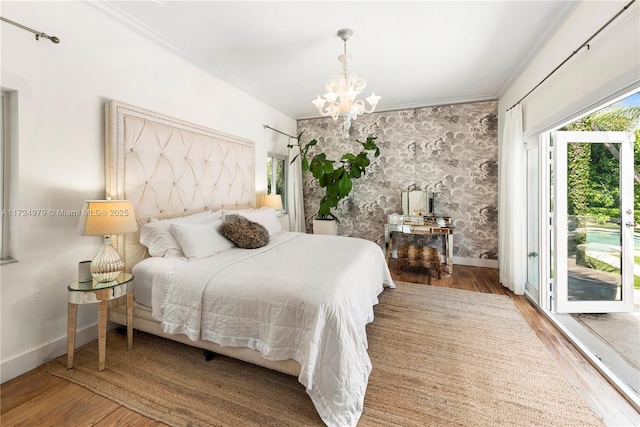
<point>451,150</point>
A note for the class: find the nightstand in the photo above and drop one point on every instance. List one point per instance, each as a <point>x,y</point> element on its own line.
<point>99,293</point>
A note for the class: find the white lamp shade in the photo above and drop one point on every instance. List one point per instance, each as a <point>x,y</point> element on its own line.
<point>272,201</point>
<point>107,217</point>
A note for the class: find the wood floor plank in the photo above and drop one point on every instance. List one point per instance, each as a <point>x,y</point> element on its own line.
<point>70,405</point>
<point>27,387</point>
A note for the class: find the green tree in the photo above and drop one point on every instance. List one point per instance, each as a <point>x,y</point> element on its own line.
<point>625,119</point>
<point>601,168</point>
<point>578,159</point>
<point>636,162</point>
<point>622,119</point>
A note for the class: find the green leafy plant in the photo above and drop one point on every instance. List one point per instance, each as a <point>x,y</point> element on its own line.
<point>335,176</point>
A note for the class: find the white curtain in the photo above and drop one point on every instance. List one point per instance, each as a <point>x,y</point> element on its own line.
<point>295,202</point>
<point>512,212</point>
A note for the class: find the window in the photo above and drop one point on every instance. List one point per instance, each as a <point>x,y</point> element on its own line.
<point>277,176</point>
<point>6,120</point>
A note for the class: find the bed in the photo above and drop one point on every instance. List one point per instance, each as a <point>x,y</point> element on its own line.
<point>298,305</point>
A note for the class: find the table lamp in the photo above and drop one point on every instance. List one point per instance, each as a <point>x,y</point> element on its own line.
<point>272,201</point>
<point>106,218</point>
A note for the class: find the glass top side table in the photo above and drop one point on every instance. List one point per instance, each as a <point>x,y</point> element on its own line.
<point>94,292</point>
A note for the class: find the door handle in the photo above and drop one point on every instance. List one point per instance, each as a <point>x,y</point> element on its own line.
<point>630,224</point>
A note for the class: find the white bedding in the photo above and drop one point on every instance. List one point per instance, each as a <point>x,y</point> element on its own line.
<point>302,297</point>
<point>150,278</point>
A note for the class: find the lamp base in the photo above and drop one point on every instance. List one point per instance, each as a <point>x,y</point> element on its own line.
<point>108,264</point>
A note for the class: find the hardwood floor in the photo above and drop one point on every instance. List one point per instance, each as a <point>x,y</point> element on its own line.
<point>40,399</point>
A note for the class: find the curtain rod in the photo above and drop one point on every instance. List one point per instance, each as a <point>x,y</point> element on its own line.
<point>37,33</point>
<point>576,51</point>
<point>279,131</point>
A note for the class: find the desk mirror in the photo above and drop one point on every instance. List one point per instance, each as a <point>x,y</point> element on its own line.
<point>418,203</point>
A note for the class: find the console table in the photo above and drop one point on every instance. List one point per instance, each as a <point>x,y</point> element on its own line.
<point>447,238</point>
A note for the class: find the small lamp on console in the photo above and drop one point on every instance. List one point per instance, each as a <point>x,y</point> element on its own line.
<point>107,218</point>
<point>272,201</point>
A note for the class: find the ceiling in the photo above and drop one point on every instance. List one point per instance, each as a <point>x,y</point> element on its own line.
<point>413,54</point>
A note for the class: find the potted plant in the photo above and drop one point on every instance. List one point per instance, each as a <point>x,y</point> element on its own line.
<point>335,176</point>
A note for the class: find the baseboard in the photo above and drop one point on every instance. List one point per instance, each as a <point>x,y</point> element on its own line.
<point>475,262</point>
<point>25,362</point>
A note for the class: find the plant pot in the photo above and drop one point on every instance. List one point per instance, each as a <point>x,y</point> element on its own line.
<point>325,226</point>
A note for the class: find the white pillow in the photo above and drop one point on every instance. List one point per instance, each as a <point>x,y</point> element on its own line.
<point>155,235</point>
<point>200,240</point>
<point>266,217</point>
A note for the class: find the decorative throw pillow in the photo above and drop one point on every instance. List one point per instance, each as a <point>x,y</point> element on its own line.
<point>267,217</point>
<point>244,233</point>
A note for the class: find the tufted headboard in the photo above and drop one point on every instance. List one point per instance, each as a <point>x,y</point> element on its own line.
<point>170,168</point>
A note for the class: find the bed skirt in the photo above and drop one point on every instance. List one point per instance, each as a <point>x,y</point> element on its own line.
<point>143,321</point>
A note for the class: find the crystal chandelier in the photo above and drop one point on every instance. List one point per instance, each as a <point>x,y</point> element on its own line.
<point>342,91</point>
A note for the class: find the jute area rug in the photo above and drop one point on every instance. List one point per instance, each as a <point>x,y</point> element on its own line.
<point>441,357</point>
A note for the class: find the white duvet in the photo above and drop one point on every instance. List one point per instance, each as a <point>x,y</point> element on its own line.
<point>302,297</point>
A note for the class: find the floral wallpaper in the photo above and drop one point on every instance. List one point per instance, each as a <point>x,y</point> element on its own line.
<point>451,150</point>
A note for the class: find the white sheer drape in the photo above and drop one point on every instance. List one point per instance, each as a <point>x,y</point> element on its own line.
<point>512,224</point>
<point>295,201</point>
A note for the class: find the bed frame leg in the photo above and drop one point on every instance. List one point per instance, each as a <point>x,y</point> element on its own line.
<point>209,355</point>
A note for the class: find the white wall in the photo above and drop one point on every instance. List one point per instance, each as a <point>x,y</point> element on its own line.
<point>611,65</point>
<point>60,153</point>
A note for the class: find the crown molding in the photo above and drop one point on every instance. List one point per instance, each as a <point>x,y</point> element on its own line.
<point>416,105</point>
